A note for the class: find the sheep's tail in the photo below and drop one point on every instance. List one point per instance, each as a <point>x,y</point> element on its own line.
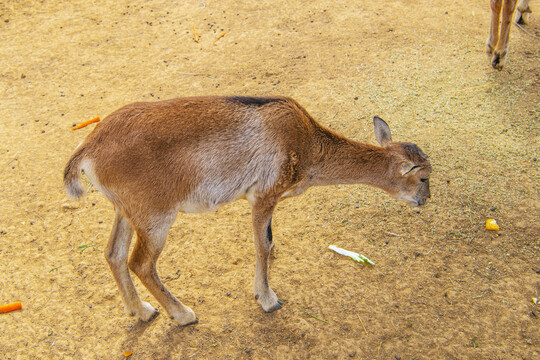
<point>72,174</point>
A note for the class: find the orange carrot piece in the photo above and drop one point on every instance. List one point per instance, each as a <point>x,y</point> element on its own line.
<point>195,35</point>
<point>86,123</point>
<point>10,307</point>
<point>219,37</point>
<point>127,354</point>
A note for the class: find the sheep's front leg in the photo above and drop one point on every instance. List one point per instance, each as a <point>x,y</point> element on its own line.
<point>499,54</point>
<point>493,38</point>
<point>262,236</point>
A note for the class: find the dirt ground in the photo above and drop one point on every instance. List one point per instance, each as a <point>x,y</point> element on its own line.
<point>442,286</point>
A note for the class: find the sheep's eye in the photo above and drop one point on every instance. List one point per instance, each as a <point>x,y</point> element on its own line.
<point>424,180</point>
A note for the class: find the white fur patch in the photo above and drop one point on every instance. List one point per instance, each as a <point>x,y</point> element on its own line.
<point>411,200</point>
<point>87,165</point>
<point>194,207</point>
<point>239,165</point>
<point>200,207</point>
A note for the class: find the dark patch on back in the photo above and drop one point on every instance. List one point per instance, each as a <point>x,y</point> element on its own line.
<point>253,101</point>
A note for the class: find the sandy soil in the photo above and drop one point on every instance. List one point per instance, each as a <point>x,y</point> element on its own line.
<point>442,288</point>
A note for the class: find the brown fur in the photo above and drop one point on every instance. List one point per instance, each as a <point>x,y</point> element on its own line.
<point>152,160</point>
<point>501,12</point>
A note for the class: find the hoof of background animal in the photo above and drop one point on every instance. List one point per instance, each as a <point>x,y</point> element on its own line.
<point>489,49</point>
<point>522,17</point>
<point>497,61</point>
<point>489,53</point>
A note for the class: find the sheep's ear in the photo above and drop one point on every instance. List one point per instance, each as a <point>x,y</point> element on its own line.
<point>382,131</point>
